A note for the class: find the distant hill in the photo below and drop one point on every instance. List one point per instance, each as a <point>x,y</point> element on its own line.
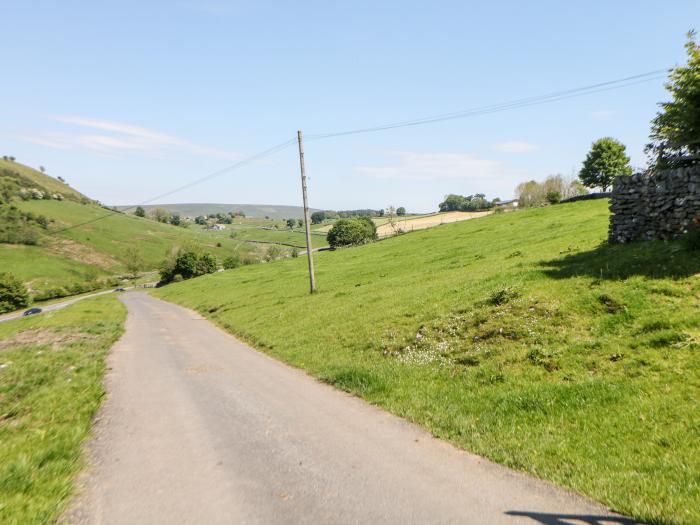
<point>251,210</point>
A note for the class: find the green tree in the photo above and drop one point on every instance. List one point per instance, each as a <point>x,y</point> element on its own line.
<point>318,217</point>
<point>140,212</point>
<point>291,223</point>
<point>400,210</point>
<point>13,293</point>
<point>475,202</point>
<point>160,214</point>
<point>175,219</point>
<point>605,161</point>
<point>675,131</point>
<point>134,261</point>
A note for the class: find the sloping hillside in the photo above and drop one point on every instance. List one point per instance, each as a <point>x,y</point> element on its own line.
<point>31,178</point>
<point>522,337</point>
<point>58,237</point>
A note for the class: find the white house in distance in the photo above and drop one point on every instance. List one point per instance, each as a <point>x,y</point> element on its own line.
<point>217,227</point>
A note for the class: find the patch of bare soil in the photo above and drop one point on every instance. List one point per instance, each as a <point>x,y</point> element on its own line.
<point>82,253</point>
<point>44,336</point>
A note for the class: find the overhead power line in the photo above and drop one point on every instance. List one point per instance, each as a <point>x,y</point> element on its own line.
<point>482,110</point>
<point>513,104</point>
<point>240,164</point>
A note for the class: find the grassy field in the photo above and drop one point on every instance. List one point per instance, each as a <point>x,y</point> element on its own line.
<point>100,248</point>
<point>45,181</point>
<point>51,370</point>
<point>522,337</point>
<point>284,236</point>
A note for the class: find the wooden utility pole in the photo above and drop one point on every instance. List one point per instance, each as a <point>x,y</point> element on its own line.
<point>307,219</point>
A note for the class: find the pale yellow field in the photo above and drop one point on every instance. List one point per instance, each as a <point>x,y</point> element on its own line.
<point>420,223</point>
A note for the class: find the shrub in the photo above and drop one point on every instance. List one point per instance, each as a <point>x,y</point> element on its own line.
<point>13,293</point>
<point>533,194</point>
<point>348,232</point>
<point>187,263</point>
<point>207,263</point>
<point>503,295</point>
<point>231,262</point>
<point>273,252</point>
<point>553,197</point>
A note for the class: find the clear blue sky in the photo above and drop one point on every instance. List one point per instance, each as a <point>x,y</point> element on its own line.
<point>126,100</point>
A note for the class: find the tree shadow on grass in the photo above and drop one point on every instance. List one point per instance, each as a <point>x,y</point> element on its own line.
<point>569,519</point>
<point>653,259</point>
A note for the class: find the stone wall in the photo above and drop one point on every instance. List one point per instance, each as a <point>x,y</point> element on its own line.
<point>661,205</point>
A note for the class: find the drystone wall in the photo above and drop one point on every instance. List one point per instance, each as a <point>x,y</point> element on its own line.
<point>658,205</point>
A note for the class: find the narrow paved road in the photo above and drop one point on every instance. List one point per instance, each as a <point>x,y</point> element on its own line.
<point>199,428</point>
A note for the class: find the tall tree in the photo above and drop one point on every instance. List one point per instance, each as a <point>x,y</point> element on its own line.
<point>675,131</point>
<point>140,212</point>
<point>606,161</point>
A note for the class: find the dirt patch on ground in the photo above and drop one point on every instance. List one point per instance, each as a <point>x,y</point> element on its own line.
<point>44,336</point>
<point>82,253</point>
<point>428,221</point>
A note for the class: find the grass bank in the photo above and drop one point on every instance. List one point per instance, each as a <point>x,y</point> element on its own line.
<point>51,370</point>
<point>521,337</point>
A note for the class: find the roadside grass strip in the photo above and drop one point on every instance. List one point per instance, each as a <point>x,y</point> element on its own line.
<point>51,371</point>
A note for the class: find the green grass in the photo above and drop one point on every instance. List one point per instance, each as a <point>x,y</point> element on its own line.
<point>51,370</point>
<point>99,249</point>
<point>43,181</point>
<point>284,236</point>
<point>522,337</point>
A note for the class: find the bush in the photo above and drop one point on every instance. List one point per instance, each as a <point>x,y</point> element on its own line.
<point>532,194</point>
<point>348,232</point>
<point>503,295</point>
<point>13,293</point>
<point>207,263</point>
<point>231,262</point>
<point>553,197</point>
<point>273,252</point>
<point>187,263</point>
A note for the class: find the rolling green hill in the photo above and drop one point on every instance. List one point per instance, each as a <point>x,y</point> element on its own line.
<point>31,178</point>
<point>82,241</point>
<point>251,210</point>
<point>522,337</point>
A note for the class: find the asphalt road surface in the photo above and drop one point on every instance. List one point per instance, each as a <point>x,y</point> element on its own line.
<point>199,428</point>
